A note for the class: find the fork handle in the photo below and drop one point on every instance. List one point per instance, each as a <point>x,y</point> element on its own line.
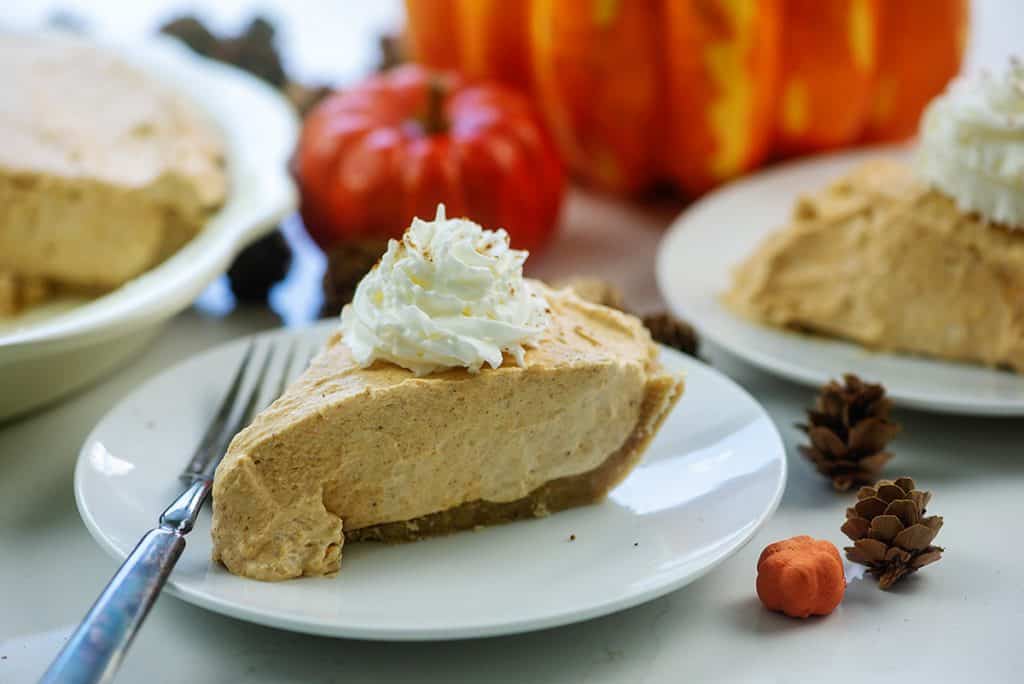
<point>95,651</point>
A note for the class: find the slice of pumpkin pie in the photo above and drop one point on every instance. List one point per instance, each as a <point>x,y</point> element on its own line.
<point>456,394</point>
<point>926,259</point>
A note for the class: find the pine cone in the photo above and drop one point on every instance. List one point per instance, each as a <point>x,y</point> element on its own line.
<point>392,51</point>
<point>890,532</point>
<point>849,428</point>
<point>252,50</point>
<point>347,263</point>
<point>673,332</point>
<point>259,267</point>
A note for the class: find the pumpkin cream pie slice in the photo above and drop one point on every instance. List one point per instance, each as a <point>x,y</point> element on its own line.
<point>456,394</point>
<point>926,260</point>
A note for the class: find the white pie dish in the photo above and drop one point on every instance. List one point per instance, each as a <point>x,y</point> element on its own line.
<point>709,239</point>
<point>61,346</point>
<point>714,474</point>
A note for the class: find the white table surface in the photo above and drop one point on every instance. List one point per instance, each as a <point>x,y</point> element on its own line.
<point>955,620</point>
<point>958,620</point>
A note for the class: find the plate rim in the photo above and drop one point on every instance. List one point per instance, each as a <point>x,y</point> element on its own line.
<point>465,631</point>
<point>785,368</point>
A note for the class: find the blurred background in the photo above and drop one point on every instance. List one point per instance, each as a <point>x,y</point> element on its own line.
<point>648,106</point>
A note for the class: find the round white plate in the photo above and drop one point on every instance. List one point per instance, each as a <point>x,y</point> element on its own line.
<point>56,348</point>
<point>713,475</point>
<point>694,268</point>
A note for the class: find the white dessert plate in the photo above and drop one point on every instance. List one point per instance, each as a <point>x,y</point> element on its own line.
<point>56,348</point>
<point>712,477</point>
<point>710,238</point>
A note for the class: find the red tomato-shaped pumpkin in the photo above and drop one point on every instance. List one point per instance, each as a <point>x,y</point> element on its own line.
<point>373,157</point>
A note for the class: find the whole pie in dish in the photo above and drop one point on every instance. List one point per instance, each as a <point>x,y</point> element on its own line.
<point>926,259</point>
<point>104,171</point>
<point>360,449</point>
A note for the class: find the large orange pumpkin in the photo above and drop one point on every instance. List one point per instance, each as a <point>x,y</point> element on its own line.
<point>829,55</point>
<point>920,47</point>
<point>699,91</point>
<point>637,91</point>
<point>482,38</point>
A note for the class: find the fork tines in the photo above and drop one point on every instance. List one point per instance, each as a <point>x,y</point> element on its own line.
<point>239,407</point>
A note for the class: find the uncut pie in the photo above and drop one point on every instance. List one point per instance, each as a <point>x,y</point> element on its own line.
<point>361,448</point>
<point>104,171</point>
<point>926,259</point>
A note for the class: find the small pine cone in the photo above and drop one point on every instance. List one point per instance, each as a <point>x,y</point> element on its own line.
<point>193,32</point>
<point>252,50</point>
<point>259,266</point>
<point>890,532</point>
<point>347,263</point>
<point>392,50</point>
<point>849,428</point>
<point>673,332</point>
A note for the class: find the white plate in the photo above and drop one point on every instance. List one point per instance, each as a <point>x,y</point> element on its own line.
<point>694,268</point>
<point>714,475</point>
<point>56,348</point>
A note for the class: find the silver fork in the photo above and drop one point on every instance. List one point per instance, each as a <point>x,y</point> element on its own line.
<point>96,649</point>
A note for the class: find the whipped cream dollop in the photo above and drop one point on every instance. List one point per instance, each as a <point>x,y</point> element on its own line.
<point>972,144</point>
<point>448,294</point>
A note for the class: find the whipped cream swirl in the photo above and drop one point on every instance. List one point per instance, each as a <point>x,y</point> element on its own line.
<point>448,294</point>
<point>972,145</point>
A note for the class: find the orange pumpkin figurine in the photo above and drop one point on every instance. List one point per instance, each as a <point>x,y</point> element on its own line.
<point>801,577</point>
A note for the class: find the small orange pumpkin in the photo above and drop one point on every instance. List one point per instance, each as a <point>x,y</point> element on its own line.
<point>801,577</point>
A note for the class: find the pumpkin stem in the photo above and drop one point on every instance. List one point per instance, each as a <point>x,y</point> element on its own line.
<point>434,120</point>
